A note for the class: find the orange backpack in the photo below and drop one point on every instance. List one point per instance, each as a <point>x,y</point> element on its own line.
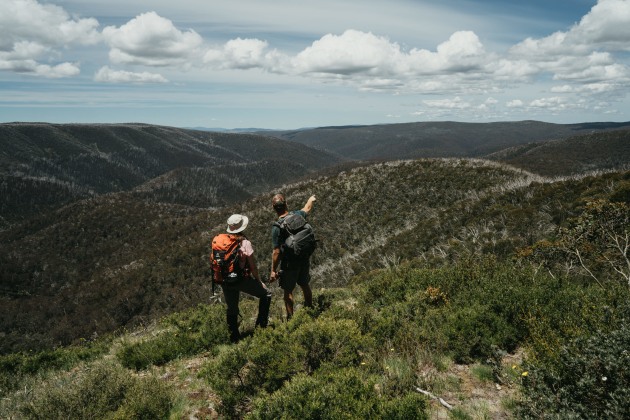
<point>224,258</point>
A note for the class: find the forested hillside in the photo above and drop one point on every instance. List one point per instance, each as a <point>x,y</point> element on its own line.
<point>503,290</point>
<point>573,155</point>
<point>45,166</point>
<point>436,139</point>
<point>119,259</point>
<point>461,277</point>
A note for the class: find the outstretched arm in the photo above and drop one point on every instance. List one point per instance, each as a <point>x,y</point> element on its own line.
<point>309,204</point>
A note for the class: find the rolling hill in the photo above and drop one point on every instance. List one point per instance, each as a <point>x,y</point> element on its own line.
<point>119,259</point>
<point>500,287</point>
<point>573,155</point>
<point>435,139</point>
<point>44,166</point>
<point>108,225</point>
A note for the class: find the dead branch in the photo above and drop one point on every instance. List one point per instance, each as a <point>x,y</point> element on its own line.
<point>430,395</point>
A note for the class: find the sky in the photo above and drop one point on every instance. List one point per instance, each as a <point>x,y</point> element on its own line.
<point>288,64</point>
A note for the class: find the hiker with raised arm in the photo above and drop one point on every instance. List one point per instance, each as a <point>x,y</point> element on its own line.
<point>234,268</point>
<point>293,243</point>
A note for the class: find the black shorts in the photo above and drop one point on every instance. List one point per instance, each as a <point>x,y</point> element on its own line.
<point>295,273</point>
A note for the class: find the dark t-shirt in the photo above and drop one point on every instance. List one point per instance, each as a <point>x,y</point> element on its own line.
<point>275,230</point>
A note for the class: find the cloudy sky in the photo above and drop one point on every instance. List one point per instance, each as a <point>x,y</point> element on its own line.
<point>290,63</point>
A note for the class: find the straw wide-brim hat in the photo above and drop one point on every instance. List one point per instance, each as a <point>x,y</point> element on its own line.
<point>237,223</point>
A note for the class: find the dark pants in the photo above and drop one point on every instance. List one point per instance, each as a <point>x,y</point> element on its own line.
<point>231,293</point>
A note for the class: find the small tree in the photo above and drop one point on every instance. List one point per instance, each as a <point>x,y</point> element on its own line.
<point>597,243</point>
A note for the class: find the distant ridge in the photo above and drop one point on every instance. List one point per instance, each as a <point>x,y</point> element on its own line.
<point>44,166</point>
<point>436,139</point>
<point>597,150</point>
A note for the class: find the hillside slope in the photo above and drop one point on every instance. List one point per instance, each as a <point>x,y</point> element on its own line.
<point>120,259</point>
<point>435,139</point>
<point>44,166</point>
<point>577,154</point>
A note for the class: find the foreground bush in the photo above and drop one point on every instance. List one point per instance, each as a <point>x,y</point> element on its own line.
<point>186,333</point>
<point>589,379</point>
<point>271,357</point>
<point>344,394</point>
<point>14,368</point>
<point>463,311</point>
<point>101,390</point>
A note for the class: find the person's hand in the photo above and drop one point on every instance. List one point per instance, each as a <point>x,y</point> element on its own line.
<point>273,277</point>
<point>312,199</point>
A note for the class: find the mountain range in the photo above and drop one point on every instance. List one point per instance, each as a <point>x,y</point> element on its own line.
<point>107,226</point>
<point>437,139</point>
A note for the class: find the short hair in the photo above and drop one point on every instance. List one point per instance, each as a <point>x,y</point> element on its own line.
<point>278,202</point>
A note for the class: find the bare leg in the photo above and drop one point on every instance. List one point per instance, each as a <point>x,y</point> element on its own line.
<point>288,303</point>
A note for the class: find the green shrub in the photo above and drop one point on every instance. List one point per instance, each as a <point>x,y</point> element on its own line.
<point>588,375</point>
<point>409,406</point>
<point>591,379</point>
<point>17,366</point>
<point>463,310</point>
<point>566,311</point>
<point>259,364</point>
<point>148,398</point>
<point>227,375</point>
<point>188,333</point>
<point>332,343</point>
<point>158,350</point>
<point>101,390</point>
<point>397,374</point>
<point>265,362</point>
<point>344,394</point>
<point>472,331</point>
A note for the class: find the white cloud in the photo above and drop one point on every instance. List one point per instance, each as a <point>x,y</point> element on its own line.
<point>45,24</point>
<point>349,53</point>
<point>557,104</point>
<point>33,68</point>
<point>151,40</point>
<point>30,32</point>
<point>244,54</point>
<point>368,61</point>
<point>107,75</point>
<point>515,103</point>
<point>455,103</point>
<point>563,89</point>
<point>607,25</point>
<point>363,53</point>
<point>583,55</point>
<point>462,52</point>
<point>589,88</point>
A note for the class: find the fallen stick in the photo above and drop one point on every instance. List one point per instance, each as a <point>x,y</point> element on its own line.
<point>430,395</point>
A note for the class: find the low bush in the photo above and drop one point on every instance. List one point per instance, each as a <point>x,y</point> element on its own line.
<point>186,333</point>
<point>347,393</point>
<point>17,366</point>
<point>101,390</point>
<point>332,343</point>
<point>259,364</point>
<point>463,310</point>
<point>591,379</point>
<point>264,362</point>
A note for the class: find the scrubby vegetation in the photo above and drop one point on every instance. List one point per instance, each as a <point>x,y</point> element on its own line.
<point>365,350</point>
<point>455,286</point>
